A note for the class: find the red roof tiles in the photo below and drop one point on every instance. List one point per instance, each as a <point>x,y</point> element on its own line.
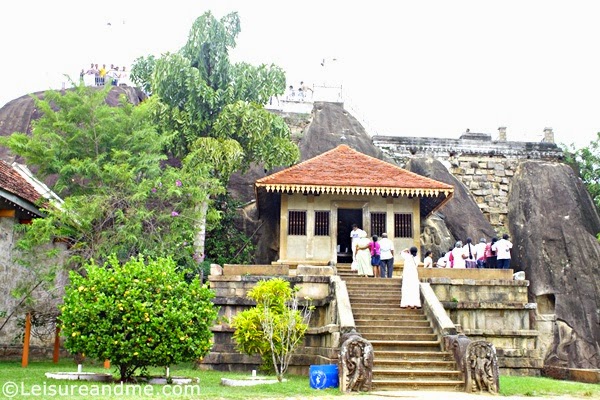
<point>343,166</point>
<point>11,181</point>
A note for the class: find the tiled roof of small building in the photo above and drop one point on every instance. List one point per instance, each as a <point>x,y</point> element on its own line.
<point>11,181</point>
<point>343,169</point>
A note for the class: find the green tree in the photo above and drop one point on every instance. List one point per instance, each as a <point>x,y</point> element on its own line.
<point>586,161</point>
<point>275,327</point>
<point>138,314</point>
<point>214,109</point>
<point>120,194</point>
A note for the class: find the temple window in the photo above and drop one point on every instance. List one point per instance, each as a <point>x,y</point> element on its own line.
<point>403,226</point>
<point>378,223</point>
<point>321,223</point>
<point>297,223</point>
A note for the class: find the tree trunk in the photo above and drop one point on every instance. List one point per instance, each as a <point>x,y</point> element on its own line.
<point>200,237</point>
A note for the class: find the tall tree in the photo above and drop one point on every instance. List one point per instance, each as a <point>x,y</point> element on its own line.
<point>214,109</point>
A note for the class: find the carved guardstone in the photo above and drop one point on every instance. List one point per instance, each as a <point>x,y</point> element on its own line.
<point>481,368</point>
<point>356,364</point>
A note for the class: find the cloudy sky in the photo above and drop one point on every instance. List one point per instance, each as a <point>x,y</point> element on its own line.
<point>408,68</point>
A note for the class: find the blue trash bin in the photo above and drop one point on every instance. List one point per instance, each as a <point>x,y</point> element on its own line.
<point>323,376</point>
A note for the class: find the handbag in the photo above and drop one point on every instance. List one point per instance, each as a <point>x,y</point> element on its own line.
<point>354,266</point>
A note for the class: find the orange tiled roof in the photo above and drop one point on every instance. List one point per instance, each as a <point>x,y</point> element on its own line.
<point>11,181</point>
<point>344,170</point>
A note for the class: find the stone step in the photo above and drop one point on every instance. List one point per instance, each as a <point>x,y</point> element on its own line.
<point>386,314</point>
<point>417,384</point>
<point>382,363</point>
<point>386,303</point>
<point>377,329</point>
<point>404,345</point>
<point>392,324</point>
<point>427,373</point>
<point>397,336</point>
<point>426,356</point>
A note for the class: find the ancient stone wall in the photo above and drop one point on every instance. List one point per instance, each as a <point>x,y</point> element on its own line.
<point>484,166</point>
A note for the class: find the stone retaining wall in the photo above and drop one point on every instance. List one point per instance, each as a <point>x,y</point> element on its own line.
<point>497,311</point>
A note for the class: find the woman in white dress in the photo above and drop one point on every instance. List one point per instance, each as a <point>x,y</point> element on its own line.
<point>411,295</point>
<point>362,255</point>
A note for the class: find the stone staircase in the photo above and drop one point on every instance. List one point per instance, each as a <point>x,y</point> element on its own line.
<point>407,353</point>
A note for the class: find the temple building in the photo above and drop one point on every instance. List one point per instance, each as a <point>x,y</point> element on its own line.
<point>321,198</point>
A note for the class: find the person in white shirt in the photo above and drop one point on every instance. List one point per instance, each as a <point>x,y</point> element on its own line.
<point>469,250</point>
<point>502,248</point>
<point>458,256</point>
<point>387,256</point>
<point>428,261</point>
<point>480,250</point>
<point>354,236</point>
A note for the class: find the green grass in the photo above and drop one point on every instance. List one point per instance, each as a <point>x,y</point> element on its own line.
<point>32,378</point>
<point>542,387</point>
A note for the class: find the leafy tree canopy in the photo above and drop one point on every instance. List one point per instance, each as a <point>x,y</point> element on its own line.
<point>215,108</point>
<point>120,195</point>
<point>586,161</point>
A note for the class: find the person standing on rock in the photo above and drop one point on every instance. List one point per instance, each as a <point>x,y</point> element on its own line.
<point>411,297</point>
<point>386,247</point>
<point>480,250</point>
<point>490,254</point>
<point>502,248</point>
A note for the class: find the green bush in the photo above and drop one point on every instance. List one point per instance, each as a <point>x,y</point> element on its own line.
<point>142,313</point>
<point>275,327</point>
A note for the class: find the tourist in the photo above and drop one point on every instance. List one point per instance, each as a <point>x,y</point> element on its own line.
<point>428,261</point>
<point>469,250</point>
<point>411,297</point>
<point>480,251</point>
<point>442,261</point>
<point>502,248</point>
<point>375,248</point>
<point>458,255</point>
<point>305,89</point>
<point>362,255</point>
<point>386,247</point>
<point>449,258</point>
<point>490,254</point>
<point>354,236</point>
<point>102,74</point>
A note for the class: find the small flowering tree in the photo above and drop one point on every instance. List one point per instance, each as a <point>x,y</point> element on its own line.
<point>275,327</point>
<point>137,314</point>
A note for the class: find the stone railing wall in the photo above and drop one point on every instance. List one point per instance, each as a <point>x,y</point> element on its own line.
<point>484,166</point>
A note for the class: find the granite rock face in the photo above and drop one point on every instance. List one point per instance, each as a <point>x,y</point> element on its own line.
<point>554,225</point>
<point>461,215</point>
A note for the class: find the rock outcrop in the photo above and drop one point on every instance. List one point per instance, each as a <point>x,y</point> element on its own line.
<point>554,225</point>
<point>461,214</point>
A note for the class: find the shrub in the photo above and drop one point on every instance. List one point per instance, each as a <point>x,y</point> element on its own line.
<point>142,313</point>
<point>275,327</point>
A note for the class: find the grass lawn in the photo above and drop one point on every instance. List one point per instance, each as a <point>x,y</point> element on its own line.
<point>30,382</point>
<point>530,386</point>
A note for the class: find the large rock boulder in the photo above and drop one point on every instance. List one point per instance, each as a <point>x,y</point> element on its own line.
<point>461,214</point>
<point>554,224</point>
